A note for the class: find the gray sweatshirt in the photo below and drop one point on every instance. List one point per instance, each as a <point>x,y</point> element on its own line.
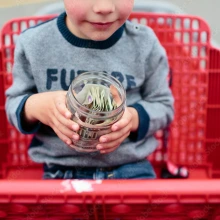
<point>48,57</point>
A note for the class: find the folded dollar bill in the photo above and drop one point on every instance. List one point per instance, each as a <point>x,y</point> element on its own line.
<point>98,98</point>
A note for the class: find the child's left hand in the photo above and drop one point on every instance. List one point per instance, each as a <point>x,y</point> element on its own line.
<point>120,131</point>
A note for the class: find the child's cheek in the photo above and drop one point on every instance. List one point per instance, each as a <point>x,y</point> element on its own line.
<point>69,5</point>
<point>125,8</point>
<point>75,10</point>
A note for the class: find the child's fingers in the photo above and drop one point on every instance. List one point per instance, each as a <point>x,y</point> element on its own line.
<point>67,132</point>
<point>63,137</point>
<point>61,107</point>
<point>57,125</point>
<point>115,95</point>
<point>67,122</point>
<point>114,135</point>
<point>112,144</point>
<point>106,151</point>
<point>123,122</point>
<point>120,124</point>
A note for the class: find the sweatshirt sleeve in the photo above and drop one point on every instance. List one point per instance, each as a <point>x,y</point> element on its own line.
<point>22,87</point>
<point>155,110</point>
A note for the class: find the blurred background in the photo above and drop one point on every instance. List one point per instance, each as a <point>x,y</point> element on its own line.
<point>208,10</point>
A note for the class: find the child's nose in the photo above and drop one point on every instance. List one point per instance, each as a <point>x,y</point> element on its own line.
<point>104,6</point>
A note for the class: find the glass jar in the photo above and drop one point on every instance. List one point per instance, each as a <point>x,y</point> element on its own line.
<point>93,123</point>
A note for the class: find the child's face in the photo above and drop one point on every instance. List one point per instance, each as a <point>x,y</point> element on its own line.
<point>96,19</point>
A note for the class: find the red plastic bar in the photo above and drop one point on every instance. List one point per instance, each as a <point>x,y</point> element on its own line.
<point>148,188</point>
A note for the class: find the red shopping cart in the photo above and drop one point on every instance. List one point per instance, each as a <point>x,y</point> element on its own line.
<point>193,141</point>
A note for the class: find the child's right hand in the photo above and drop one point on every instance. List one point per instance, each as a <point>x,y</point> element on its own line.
<point>50,109</point>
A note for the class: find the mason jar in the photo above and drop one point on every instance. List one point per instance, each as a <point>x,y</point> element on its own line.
<point>93,123</point>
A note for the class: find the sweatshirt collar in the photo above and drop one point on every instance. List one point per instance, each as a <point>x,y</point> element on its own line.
<point>76,41</point>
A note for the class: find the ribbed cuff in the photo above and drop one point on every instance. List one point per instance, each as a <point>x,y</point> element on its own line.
<point>24,128</point>
<point>144,121</point>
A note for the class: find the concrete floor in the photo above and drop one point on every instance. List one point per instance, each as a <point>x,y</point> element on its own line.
<point>20,11</point>
<point>207,9</point>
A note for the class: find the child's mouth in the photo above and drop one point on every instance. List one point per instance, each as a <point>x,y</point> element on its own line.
<point>100,25</point>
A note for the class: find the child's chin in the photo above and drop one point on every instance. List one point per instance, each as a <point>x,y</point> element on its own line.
<point>100,36</point>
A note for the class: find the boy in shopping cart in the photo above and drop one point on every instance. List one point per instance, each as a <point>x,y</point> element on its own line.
<point>90,35</point>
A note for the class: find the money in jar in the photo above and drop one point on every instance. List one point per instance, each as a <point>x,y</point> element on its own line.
<point>96,101</point>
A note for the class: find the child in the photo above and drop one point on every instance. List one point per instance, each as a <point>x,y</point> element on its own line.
<point>90,35</point>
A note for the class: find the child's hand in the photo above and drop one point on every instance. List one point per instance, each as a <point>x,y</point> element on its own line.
<point>50,109</point>
<point>120,131</point>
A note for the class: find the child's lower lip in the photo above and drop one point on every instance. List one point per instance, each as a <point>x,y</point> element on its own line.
<point>102,25</point>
